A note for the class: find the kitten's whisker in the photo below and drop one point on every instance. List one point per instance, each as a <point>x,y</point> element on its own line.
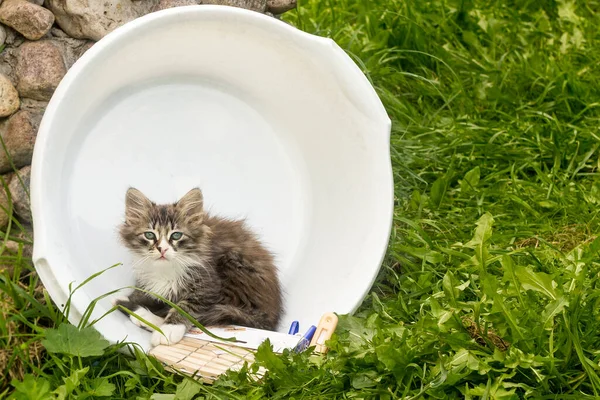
<point>185,260</point>
<point>188,263</point>
<point>192,262</point>
<point>140,261</point>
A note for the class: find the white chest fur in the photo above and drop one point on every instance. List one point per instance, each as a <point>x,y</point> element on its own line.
<point>164,278</point>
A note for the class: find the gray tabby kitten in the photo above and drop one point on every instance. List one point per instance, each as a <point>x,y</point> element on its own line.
<point>213,268</point>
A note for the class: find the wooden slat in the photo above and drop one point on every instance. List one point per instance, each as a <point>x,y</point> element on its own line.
<point>207,359</point>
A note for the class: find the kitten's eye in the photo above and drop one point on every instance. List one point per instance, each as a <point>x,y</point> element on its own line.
<point>176,235</point>
<point>150,235</point>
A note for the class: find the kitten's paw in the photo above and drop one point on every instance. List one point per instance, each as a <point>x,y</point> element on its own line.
<point>173,333</point>
<point>119,300</point>
<point>149,316</point>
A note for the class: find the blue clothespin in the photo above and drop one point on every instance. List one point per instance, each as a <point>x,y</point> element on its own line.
<point>294,328</point>
<point>305,341</point>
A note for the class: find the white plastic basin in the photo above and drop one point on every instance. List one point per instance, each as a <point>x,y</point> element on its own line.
<point>273,124</point>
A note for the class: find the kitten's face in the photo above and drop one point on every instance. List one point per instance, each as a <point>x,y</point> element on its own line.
<point>170,233</point>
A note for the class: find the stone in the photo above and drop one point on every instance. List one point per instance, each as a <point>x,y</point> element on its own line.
<point>57,32</point>
<point>95,19</point>
<point>35,106</point>
<point>9,97</point>
<point>19,137</point>
<point>2,35</point>
<point>13,38</point>
<point>8,60</point>
<point>84,47</point>
<point>280,6</point>
<point>29,19</point>
<point>254,5</point>
<point>72,49</point>
<point>19,193</point>
<point>164,4</point>
<point>4,208</point>
<point>13,247</point>
<point>40,68</point>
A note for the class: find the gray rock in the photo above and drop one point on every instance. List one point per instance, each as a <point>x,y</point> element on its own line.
<point>280,6</point>
<point>9,97</point>
<point>19,193</point>
<point>254,5</point>
<point>19,135</point>
<point>95,19</point>
<point>164,4</point>
<point>13,247</point>
<point>57,32</point>
<point>72,49</point>
<point>4,206</point>
<point>35,106</point>
<point>8,60</point>
<point>2,35</point>
<point>83,48</point>
<point>40,68</point>
<point>29,19</point>
<point>13,38</point>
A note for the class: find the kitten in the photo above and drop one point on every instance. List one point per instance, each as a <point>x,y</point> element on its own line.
<point>213,268</point>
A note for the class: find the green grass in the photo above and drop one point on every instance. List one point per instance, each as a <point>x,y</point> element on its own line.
<point>490,288</point>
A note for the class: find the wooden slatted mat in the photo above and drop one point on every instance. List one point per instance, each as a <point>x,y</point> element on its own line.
<point>204,356</point>
<point>205,359</point>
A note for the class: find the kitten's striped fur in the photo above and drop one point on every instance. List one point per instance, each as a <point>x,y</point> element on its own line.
<point>217,271</point>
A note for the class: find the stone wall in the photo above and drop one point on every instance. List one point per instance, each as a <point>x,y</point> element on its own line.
<point>40,41</point>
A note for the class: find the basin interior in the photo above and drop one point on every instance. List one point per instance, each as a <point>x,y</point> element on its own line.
<point>244,107</point>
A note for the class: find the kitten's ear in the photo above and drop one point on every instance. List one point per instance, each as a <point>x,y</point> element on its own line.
<point>191,206</point>
<point>136,205</point>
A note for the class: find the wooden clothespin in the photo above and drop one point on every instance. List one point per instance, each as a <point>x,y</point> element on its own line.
<point>325,329</point>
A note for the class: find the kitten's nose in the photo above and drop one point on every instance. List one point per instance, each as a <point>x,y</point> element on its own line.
<point>162,246</point>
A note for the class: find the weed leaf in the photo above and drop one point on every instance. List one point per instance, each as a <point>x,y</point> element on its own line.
<point>438,189</point>
<point>31,388</point>
<point>67,339</point>
<point>554,308</point>
<point>101,387</point>
<point>363,380</point>
<point>483,231</point>
<point>187,389</point>
<point>71,382</point>
<point>481,238</point>
<point>509,275</point>
<point>470,181</point>
<point>450,288</point>
<point>499,305</point>
<point>537,281</point>
<point>265,355</point>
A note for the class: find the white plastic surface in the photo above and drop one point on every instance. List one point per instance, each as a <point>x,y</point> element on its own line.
<point>273,124</point>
